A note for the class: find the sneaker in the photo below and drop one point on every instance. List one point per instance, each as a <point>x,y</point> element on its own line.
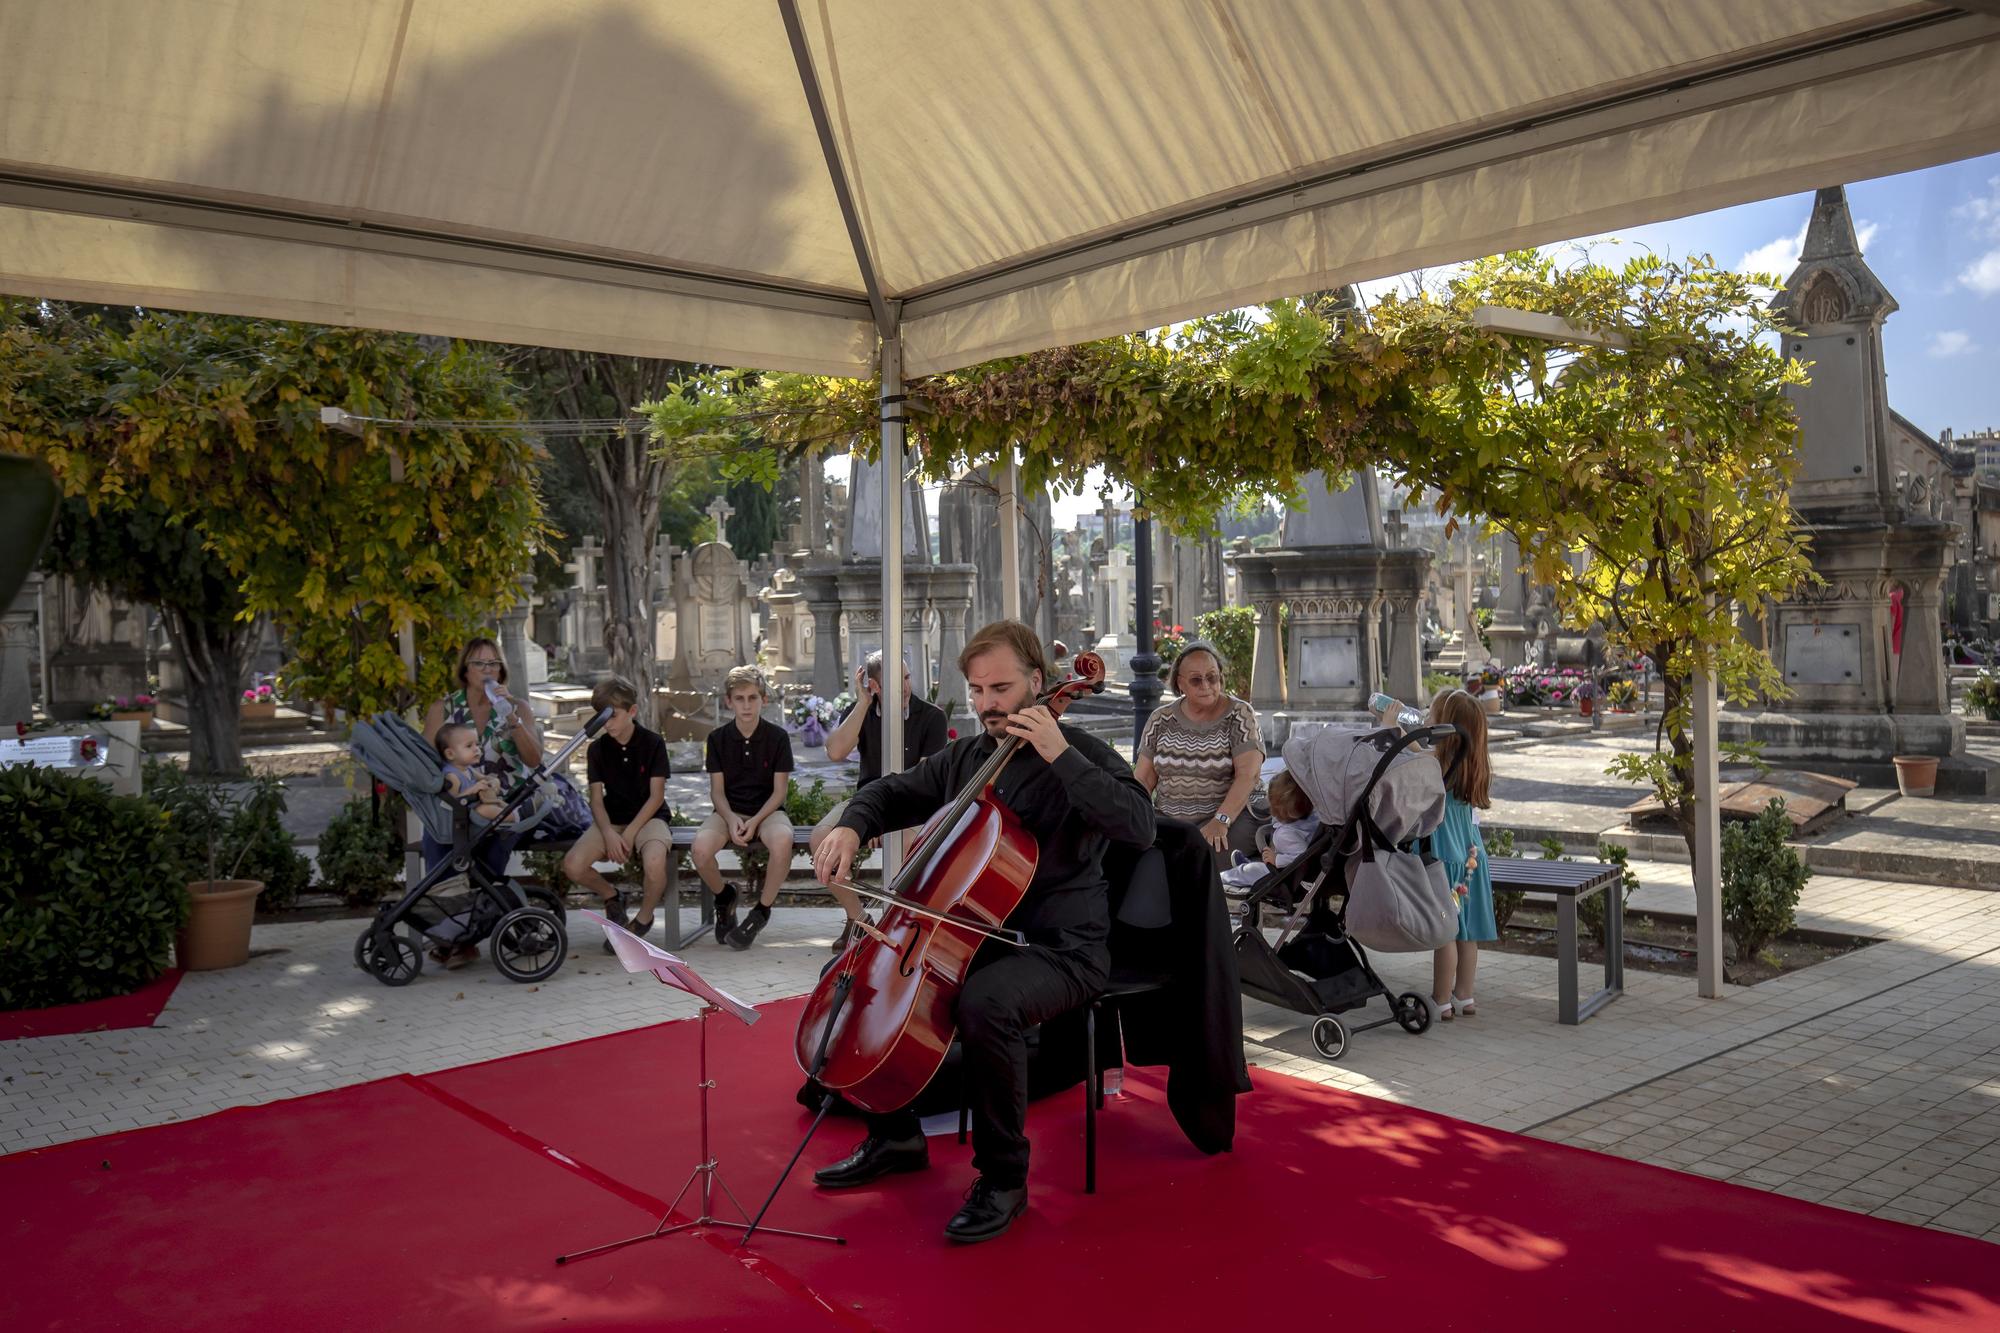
<point>841,940</point>
<point>459,957</point>
<point>614,912</point>
<point>725,913</point>
<point>746,934</point>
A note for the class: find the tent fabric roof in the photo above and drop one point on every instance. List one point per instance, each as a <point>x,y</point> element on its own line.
<point>645,176</point>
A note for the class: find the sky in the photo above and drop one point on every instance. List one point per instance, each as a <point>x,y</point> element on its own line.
<point>1932,237</point>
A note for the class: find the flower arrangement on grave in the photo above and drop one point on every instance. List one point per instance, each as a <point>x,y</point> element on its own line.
<point>1622,695</point>
<point>1479,680</point>
<point>1982,695</point>
<point>1538,687</point>
<point>812,715</point>
<point>1169,641</point>
<point>260,694</point>
<point>138,707</point>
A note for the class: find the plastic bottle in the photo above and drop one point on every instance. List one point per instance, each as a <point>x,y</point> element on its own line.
<point>1387,708</point>
<point>1114,1081</point>
<point>503,707</point>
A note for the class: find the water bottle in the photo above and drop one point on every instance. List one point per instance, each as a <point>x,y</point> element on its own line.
<point>1385,707</point>
<point>1113,1080</point>
<point>503,707</point>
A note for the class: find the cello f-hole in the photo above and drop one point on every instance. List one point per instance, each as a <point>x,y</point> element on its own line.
<point>904,966</point>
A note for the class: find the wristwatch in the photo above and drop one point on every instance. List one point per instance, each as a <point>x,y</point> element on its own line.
<point>1219,818</point>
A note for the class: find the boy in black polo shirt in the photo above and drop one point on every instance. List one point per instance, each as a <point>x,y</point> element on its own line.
<point>628,769</point>
<point>749,766</point>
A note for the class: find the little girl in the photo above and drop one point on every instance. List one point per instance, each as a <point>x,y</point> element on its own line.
<point>1293,827</point>
<point>458,747</point>
<point>1458,845</point>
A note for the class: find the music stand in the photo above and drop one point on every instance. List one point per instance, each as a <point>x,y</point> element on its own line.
<point>639,956</point>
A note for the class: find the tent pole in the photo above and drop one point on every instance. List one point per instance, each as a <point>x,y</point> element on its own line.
<point>894,414</point>
<point>1707,834</point>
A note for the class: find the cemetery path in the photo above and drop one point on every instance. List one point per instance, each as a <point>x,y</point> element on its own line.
<point>1880,1054</point>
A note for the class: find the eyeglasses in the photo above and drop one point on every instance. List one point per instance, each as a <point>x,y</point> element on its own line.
<point>1210,679</point>
<point>484,662</point>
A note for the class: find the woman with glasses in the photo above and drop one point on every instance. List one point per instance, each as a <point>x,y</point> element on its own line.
<point>1201,753</point>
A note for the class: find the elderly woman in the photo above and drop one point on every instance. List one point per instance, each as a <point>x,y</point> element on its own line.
<point>1200,754</point>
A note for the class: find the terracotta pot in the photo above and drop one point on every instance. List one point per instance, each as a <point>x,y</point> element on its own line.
<point>1583,706</point>
<point>261,711</point>
<point>143,716</point>
<point>217,933</point>
<point>1916,775</point>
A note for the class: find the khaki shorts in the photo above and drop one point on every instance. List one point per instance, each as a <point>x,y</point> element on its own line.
<point>777,825</point>
<point>590,842</point>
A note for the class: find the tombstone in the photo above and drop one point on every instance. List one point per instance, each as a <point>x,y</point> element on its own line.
<point>582,638</point>
<point>713,601</point>
<point>970,533</point>
<point>514,641</point>
<point>790,629</point>
<point>1113,614</point>
<point>96,643</point>
<point>1191,576</point>
<point>1353,605</point>
<point>1509,633</point>
<point>1878,548</point>
<point>20,645</point>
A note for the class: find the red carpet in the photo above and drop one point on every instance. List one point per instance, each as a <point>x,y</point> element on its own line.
<point>439,1202</point>
<point>137,1010</point>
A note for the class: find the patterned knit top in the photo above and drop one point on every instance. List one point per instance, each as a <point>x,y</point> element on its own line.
<point>1196,761</point>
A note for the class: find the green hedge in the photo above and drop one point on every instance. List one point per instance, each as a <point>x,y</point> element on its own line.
<point>90,891</point>
<point>361,851</point>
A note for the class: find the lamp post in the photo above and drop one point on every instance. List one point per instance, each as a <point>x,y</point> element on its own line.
<point>1145,662</point>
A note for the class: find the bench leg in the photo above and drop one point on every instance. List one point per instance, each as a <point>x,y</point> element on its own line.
<point>1566,952</point>
<point>1614,953</point>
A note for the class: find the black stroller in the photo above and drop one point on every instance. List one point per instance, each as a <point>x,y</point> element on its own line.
<point>458,901</point>
<point>1316,968</point>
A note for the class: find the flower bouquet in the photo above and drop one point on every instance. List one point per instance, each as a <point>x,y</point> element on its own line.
<point>812,715</point>
<point>260,700</point>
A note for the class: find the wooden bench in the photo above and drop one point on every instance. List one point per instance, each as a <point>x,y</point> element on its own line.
<point>670,906</point>
<point>1569,882</point>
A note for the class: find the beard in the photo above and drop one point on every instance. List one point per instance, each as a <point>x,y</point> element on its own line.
<point>991,716</point>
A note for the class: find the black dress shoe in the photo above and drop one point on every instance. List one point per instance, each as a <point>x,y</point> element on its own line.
<point>746,934</point>
<point>873,1159</point>
<point>725,914</point>
<point>988,1212</point>
<point>614,912</point>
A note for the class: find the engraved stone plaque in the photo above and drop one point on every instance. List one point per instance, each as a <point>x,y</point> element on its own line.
<point>1823,654</point>
<point>1330,661</point>
<point>716,633</point>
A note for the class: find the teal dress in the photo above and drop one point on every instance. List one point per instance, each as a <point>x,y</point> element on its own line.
<point>1454,838</point>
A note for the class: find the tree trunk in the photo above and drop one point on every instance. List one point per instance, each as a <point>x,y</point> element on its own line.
<point>216,657</point>
<point>1675,692</point>
<point>631,510</point>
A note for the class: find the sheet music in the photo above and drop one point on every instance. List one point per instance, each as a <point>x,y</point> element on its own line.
<point>639,956</point>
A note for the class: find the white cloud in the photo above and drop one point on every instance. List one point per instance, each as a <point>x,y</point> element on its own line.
<point>1984,212</point>
<point>1951,342</point>
<point>1982,275</point>
<point>1781,256</point>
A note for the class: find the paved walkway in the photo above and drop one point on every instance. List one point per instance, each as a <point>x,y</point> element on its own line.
<point>1870,1082</point>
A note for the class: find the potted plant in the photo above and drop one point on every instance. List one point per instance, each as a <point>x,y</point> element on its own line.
<point>260,701</point>
<point>1586,697</point>
<point>127,708</point>
<point>215,826</point>
<point>1982,695</point>
<point>1622,695</point>
<point>1916,774</point>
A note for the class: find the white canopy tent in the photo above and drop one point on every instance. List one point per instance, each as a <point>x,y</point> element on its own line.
<point>795,187</point>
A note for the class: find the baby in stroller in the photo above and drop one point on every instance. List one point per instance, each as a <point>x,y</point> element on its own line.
<point>458,749</point>
<point>1293,826</point>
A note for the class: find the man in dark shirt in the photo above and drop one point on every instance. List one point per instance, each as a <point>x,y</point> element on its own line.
<point>749,765</point>
<point>627,768</point>
<point>1074,794</point>
<point>924,734</point>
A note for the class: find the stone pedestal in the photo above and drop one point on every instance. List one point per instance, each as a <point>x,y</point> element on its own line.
<point>97,647</point>
<point>514,643</point>
<point>1354,621</point>
<point>819,585</point>
<point>19,645</point>
<point>931,593</point>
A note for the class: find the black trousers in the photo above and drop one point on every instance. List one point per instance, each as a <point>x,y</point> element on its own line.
<point>1008,991</point>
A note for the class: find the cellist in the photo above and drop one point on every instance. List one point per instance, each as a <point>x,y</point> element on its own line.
<point>1074,794</point>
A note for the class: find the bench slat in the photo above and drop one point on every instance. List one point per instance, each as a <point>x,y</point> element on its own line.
<point>1512,874</point>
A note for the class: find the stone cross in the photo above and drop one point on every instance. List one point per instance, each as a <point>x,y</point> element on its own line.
<point>720,509</point>
<point>1393,526</point>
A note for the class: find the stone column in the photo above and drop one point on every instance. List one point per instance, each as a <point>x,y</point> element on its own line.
<point>820,584</point>
<point>18,646</point>
<point>514,639</point>
<point>1509,630</point>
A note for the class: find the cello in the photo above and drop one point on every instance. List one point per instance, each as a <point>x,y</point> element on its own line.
<point>877,1026</point>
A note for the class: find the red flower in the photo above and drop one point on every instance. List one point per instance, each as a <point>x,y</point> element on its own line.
<point>21,730</point>
<point>381,789</point>
<point>951,733</point>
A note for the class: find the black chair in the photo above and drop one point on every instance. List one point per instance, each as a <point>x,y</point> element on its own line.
<point>1140,906</point>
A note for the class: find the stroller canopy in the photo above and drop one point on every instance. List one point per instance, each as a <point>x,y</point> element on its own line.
<point>1333,765</point>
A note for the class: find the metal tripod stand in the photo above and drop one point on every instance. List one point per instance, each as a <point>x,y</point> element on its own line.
<point>704,1171</point>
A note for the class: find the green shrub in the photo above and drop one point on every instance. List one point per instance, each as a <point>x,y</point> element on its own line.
<point>90,892</point>
<point>1440,682</point>
<point>361,851</point>
<point>1590,912</point>
<point>231,829</point>
<point>1982,695</point>
<point>1500,842</point>
<point>1761,879</point>
<point>1233,631</point>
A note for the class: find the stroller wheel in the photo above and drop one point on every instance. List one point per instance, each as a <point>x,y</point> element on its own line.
<point>388,957</point>
<point>1329,1037</point>
<point>1413,1011</point>
<point>529,944</point>
<point>550,902</point>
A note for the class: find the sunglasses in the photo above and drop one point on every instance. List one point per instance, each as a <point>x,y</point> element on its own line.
<point>1201,680</point>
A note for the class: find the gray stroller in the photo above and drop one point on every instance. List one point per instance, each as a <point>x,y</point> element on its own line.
<point>1365,784</point>
<point>459,901</point>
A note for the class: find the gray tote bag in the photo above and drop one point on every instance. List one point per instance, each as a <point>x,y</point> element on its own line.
<point>1397,901</point>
